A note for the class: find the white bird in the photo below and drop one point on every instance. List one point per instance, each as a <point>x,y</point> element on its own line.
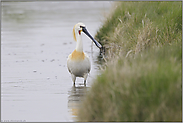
<point>78,62</point>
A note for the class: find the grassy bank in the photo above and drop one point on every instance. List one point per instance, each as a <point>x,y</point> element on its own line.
<point>138,25</point>
<point>142,80</point>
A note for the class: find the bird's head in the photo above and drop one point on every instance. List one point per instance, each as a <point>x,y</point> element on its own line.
<point>80,27</point>
<point>77,29</point>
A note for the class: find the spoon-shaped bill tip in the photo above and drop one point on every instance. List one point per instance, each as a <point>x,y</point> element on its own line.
<point>88,34</point>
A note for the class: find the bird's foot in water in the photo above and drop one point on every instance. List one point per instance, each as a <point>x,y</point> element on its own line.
<point>84,82</point>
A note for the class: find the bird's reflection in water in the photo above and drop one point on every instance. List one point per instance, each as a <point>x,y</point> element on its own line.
<point>76,94</point>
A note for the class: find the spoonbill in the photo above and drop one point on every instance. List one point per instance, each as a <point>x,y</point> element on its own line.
<point>78,62</point>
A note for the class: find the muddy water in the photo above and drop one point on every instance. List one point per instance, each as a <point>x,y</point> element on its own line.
<point>36,38</point>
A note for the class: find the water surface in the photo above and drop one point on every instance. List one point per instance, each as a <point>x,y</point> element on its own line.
<point>36,39</point>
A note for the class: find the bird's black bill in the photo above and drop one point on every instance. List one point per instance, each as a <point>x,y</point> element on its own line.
<point>102,51</point>
<point>96,42</point>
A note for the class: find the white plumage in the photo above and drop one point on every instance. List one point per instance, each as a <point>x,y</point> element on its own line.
<point>78,62</point>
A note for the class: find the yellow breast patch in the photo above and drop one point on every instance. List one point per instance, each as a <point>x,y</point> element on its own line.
<point>77,55</point>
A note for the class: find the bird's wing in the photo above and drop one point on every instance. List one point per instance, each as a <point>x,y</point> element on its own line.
<point>68,65</point>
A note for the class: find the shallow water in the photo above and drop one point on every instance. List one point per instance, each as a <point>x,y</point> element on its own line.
<point>36,38</point>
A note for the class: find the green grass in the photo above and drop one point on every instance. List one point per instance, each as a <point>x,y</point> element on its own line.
<point>139,25</point>
<point>142,80</point>
<point>141,89</point>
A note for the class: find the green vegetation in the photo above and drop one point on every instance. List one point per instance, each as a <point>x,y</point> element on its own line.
<point>143,76</point>
<point>138,25</point>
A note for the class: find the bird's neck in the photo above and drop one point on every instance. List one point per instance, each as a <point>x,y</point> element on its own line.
<point>79,45</point>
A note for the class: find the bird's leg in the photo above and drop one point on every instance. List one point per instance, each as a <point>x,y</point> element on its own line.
<point>84,82</point>
<point>73,78</point>
<point>85,77</point>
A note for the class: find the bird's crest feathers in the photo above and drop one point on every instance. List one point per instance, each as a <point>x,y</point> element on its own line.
<point>74,33</point>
